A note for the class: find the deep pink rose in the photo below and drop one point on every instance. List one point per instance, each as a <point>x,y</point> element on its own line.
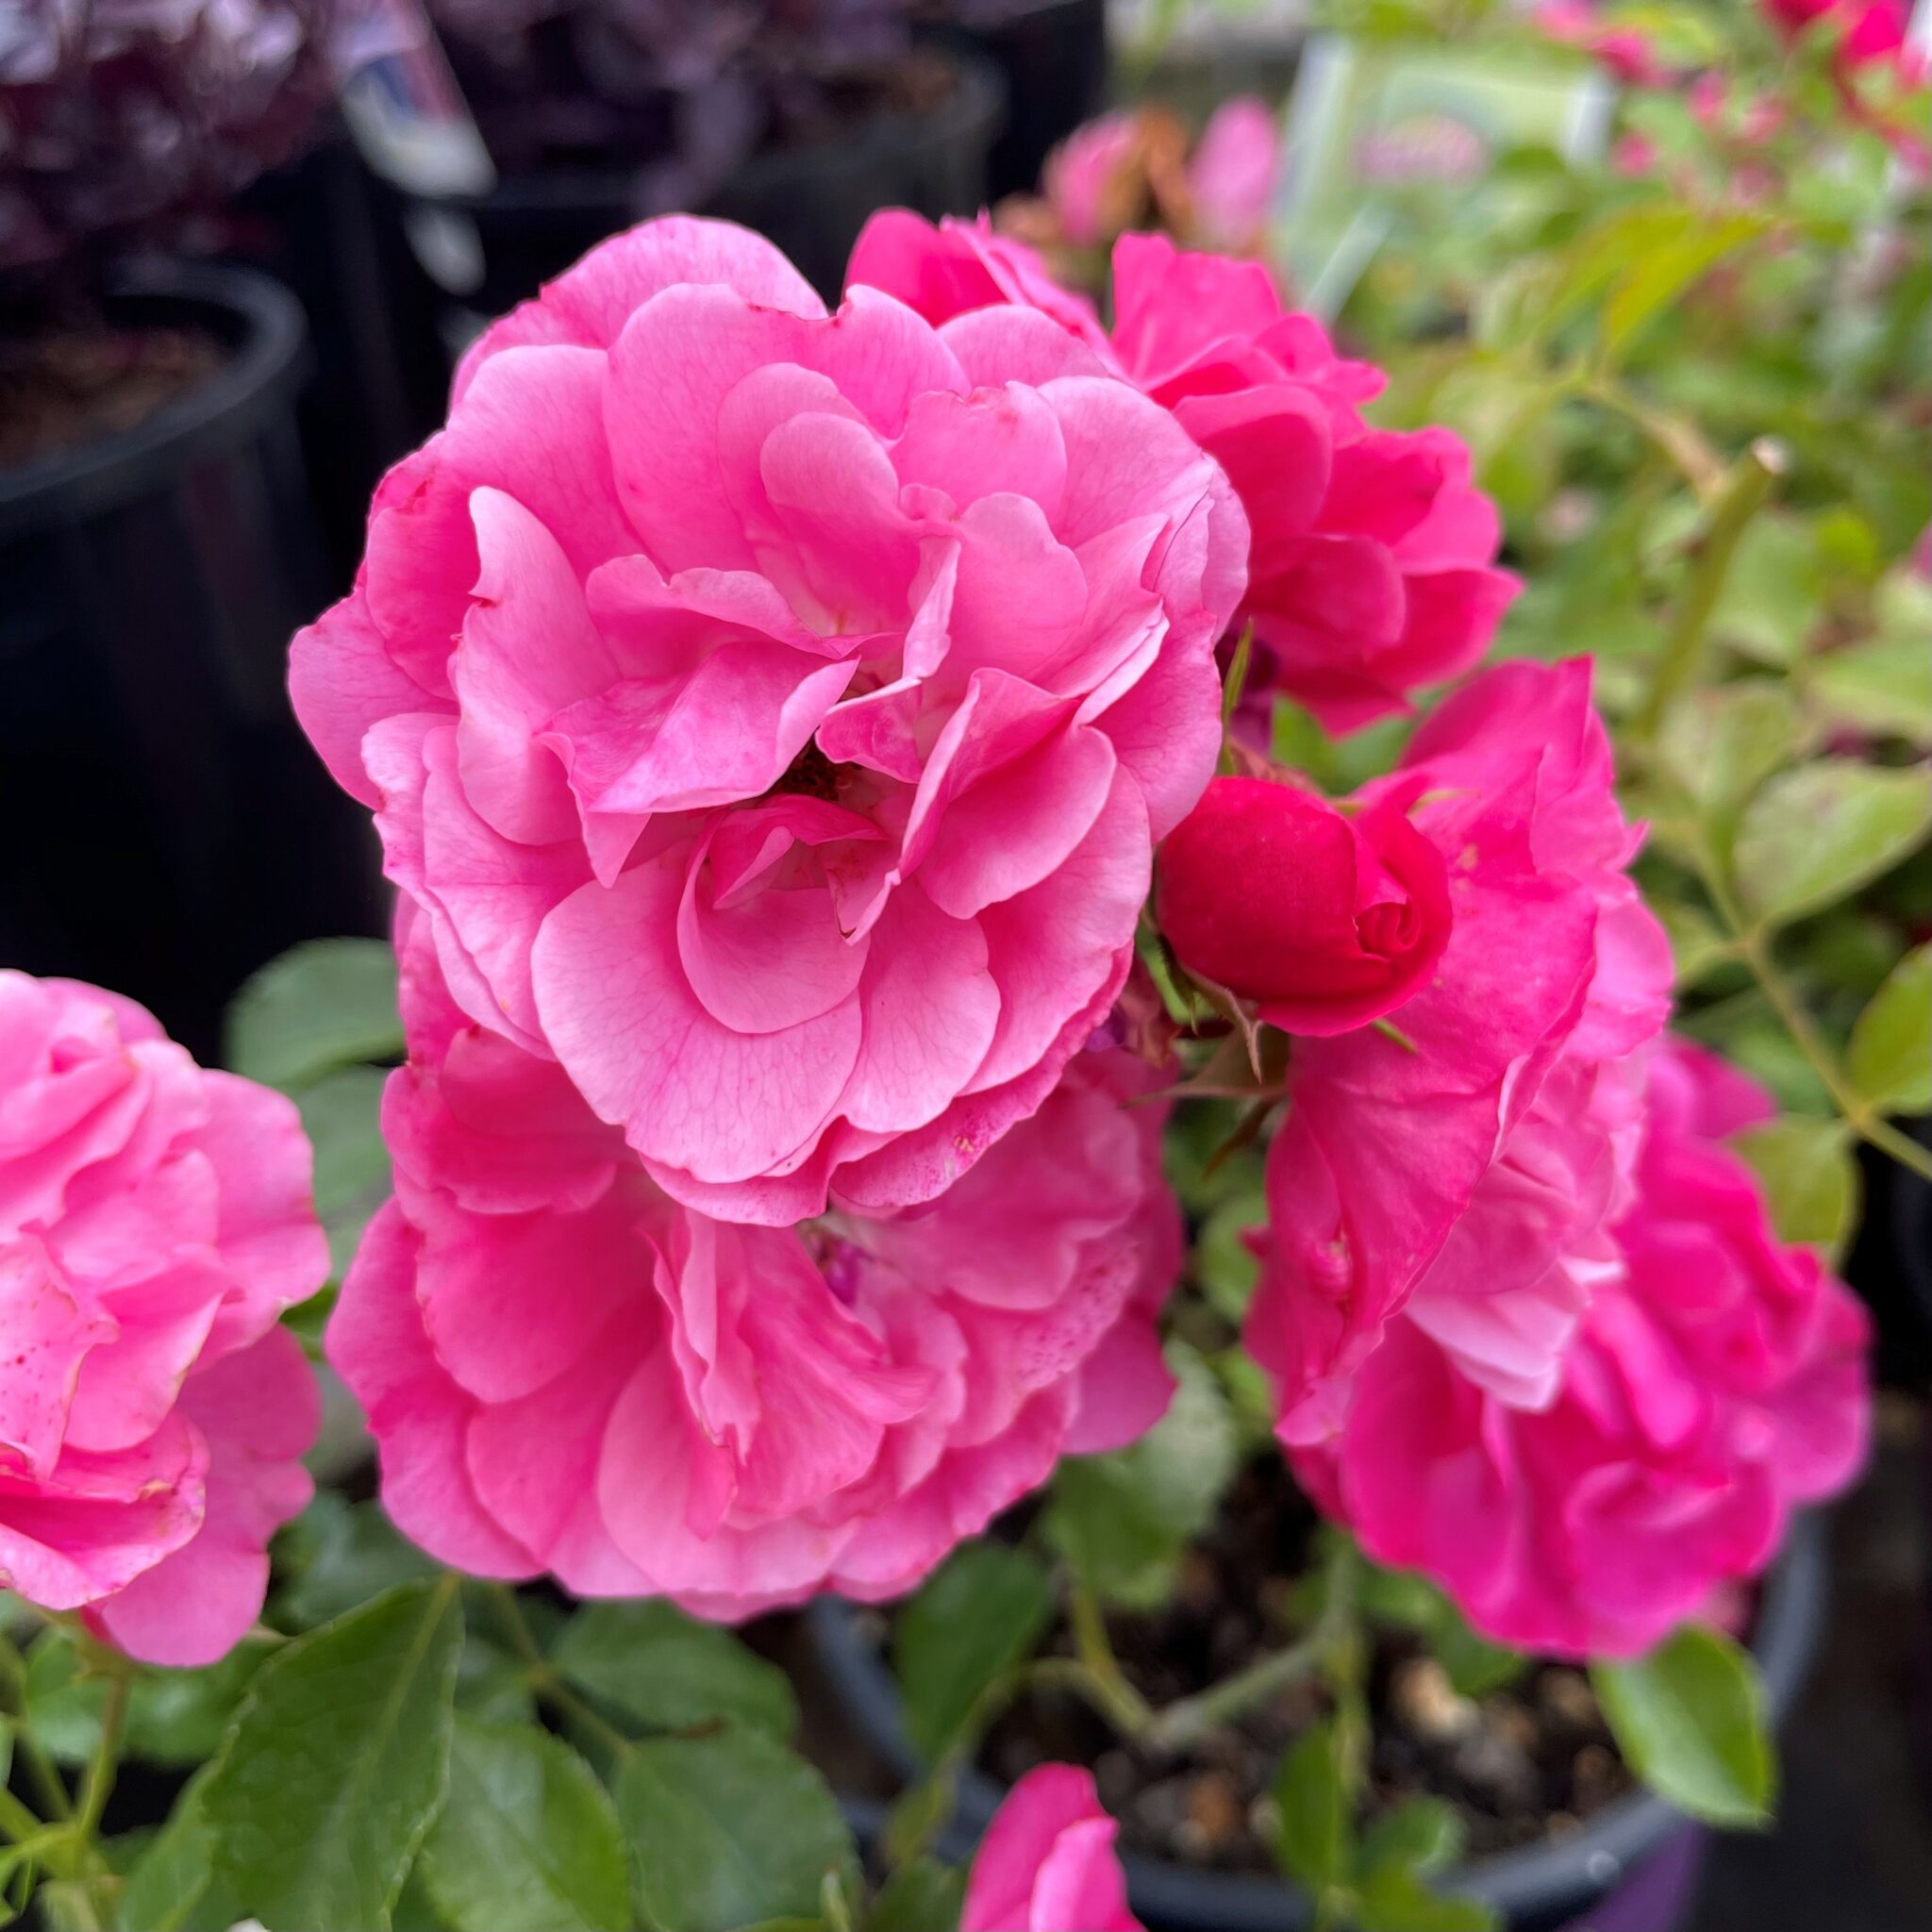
<point>567,1371</point>
<point>155,1221</point>
<point>772,714</point>
<point>1371,570</point>
<point>1462,1160</point>
<point>1233,172</point>
<point>1325,919</point>
<point>1869,30</point>
<point>1718,1380</point>
<point>1047,1862</point>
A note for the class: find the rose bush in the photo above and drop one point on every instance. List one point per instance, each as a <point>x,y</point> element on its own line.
<point>155,1222</point>
<point>567,1371</point>
<point>782,705</point>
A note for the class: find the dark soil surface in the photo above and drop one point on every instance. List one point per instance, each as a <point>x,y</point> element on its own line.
<point>1522,1763</point>
<point>65,388</point>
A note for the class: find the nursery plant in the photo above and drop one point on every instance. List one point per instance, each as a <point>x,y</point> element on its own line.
<point>1168,1030</point>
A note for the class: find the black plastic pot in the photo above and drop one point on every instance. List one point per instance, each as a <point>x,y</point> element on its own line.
<point>1052,56</point>
<point>168,828</point>
<point>811,201</point>
<point>1633,1868</point>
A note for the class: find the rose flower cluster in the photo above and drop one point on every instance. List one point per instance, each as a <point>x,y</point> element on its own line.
<point>782,727</point>
<point>778,723</point>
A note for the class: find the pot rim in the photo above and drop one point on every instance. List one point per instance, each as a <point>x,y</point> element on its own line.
<point>1538,1880</point>
<point>976,101</point>
<point>256,319</point>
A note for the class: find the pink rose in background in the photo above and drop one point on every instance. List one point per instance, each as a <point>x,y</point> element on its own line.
<point>1626,51</point>
<point>155,1222</point>
<point>1463,1164</point>
<point>1047,1862</point>
<point>772,713</point>
<point>1233,173</point>
<point>1371,568</point>
<point>1718,1379</point>
<point>1081,172</point>
<point>567,1371</point>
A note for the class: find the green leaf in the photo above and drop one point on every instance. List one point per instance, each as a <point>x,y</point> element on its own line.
<point>1418,1835</point>
<point>978,1617</point>
<point>1689,1717</point>
<point>1223,1263</point>
<point>175,1718</point>
<point>1123,1519</point>
<point>342,1114</point>
<point>337,1762</point>
<point>654,1665</point>
<point>1882,687</point>
<point>1315,1839</point>
<point>1889,1058</point>
<point>729,1830</point>
<point>338,1555</point>
<point>527,1840</point>
<point>1395,1899</point>
<point>1815,835</point>
<point>1720,745</point>
<point>919,1897</point>
<point>1809,1177</point>
<point>325,1004</point>
<point>172,1885</point>
<point>1696,944</point>
<point>1770,598</point>
<point>1660,274</point>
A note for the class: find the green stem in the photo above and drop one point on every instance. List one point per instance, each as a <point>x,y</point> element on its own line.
<point>1188,1719</point>
<point>1744,493</point>
<point>50,1788</point>
<point>1108,1690</point>
<point>1679,441</point>
<point>97,1786</point>
<point>544,1680</point>
<point>1754,951</point>
<point>16,1820</point>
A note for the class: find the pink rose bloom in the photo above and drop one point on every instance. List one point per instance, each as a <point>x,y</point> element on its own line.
<point>1371,572</point>
<point>772,714</point>
<point>1233,172</point>
<point>155,1221</point>
<point>1081,170</point>
<point>1626,50</point>
<point>567,1371</point>
<point>1047,1861</point>
<point>1719,1381</point>
<point>1461,1160</point>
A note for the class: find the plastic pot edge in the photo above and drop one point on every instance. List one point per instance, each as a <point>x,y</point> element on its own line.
<point>1538,1883</point>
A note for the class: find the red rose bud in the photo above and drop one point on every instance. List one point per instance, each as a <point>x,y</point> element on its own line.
<point>1325,920</point>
